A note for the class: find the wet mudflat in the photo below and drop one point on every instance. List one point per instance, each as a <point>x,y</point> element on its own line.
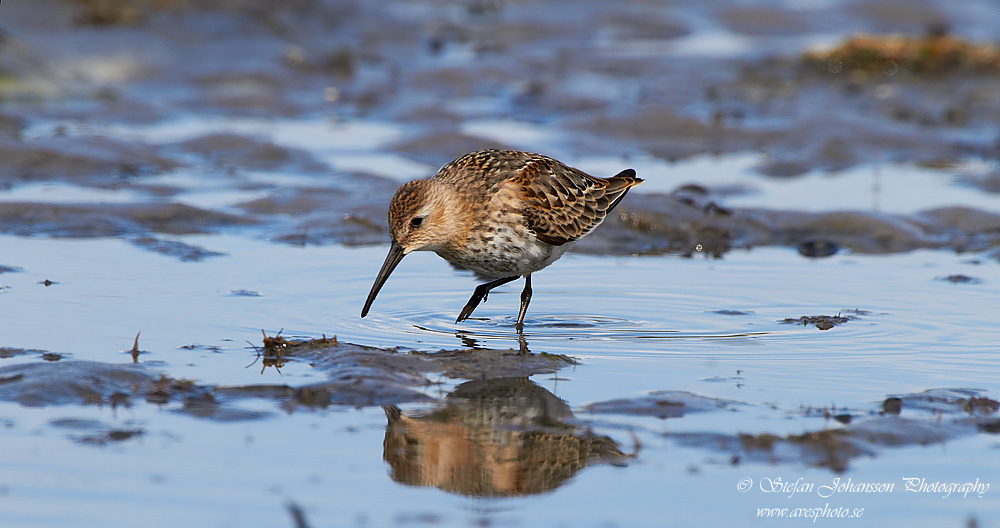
<point>796,310</point>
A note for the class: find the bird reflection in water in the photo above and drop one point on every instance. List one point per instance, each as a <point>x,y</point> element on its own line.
<point>494,438</point>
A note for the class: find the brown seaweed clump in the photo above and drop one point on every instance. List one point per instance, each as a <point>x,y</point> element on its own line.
<point>937,53</point>
<point>823,322</point>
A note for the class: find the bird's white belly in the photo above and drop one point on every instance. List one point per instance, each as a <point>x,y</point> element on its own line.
<point>508,252</point>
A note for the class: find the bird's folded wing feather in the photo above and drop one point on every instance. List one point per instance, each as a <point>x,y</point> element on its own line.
<point>563,204</point>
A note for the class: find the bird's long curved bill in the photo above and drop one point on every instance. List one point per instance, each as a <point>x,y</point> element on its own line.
<point>395,255</point>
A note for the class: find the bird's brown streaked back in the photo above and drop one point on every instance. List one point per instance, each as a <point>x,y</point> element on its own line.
<point>486,168</point>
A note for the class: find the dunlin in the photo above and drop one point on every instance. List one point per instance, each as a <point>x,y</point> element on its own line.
<point>501,213</point>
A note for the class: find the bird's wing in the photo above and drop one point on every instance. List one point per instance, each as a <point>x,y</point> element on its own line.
<point>561,204</point>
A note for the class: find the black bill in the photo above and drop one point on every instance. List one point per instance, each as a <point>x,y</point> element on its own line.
<point>395,255</point>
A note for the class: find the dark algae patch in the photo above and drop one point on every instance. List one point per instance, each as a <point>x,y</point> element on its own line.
<point>959,278</point>
<point>823,322</point>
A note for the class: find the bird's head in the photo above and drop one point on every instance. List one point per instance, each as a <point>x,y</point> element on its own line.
<point>423,216</point>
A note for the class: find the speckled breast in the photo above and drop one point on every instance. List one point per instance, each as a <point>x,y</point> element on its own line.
<point>505,250</point>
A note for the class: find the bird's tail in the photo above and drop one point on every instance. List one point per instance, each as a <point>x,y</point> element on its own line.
<point>618,186</point>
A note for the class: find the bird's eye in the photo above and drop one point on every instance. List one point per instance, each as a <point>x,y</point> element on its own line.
<point>416,221</point>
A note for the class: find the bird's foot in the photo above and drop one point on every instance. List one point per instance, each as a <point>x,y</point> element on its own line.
<point>469,307</point>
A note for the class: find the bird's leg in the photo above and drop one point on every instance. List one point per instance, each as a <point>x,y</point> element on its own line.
<point>525,299</point>
<point>479,295</point>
